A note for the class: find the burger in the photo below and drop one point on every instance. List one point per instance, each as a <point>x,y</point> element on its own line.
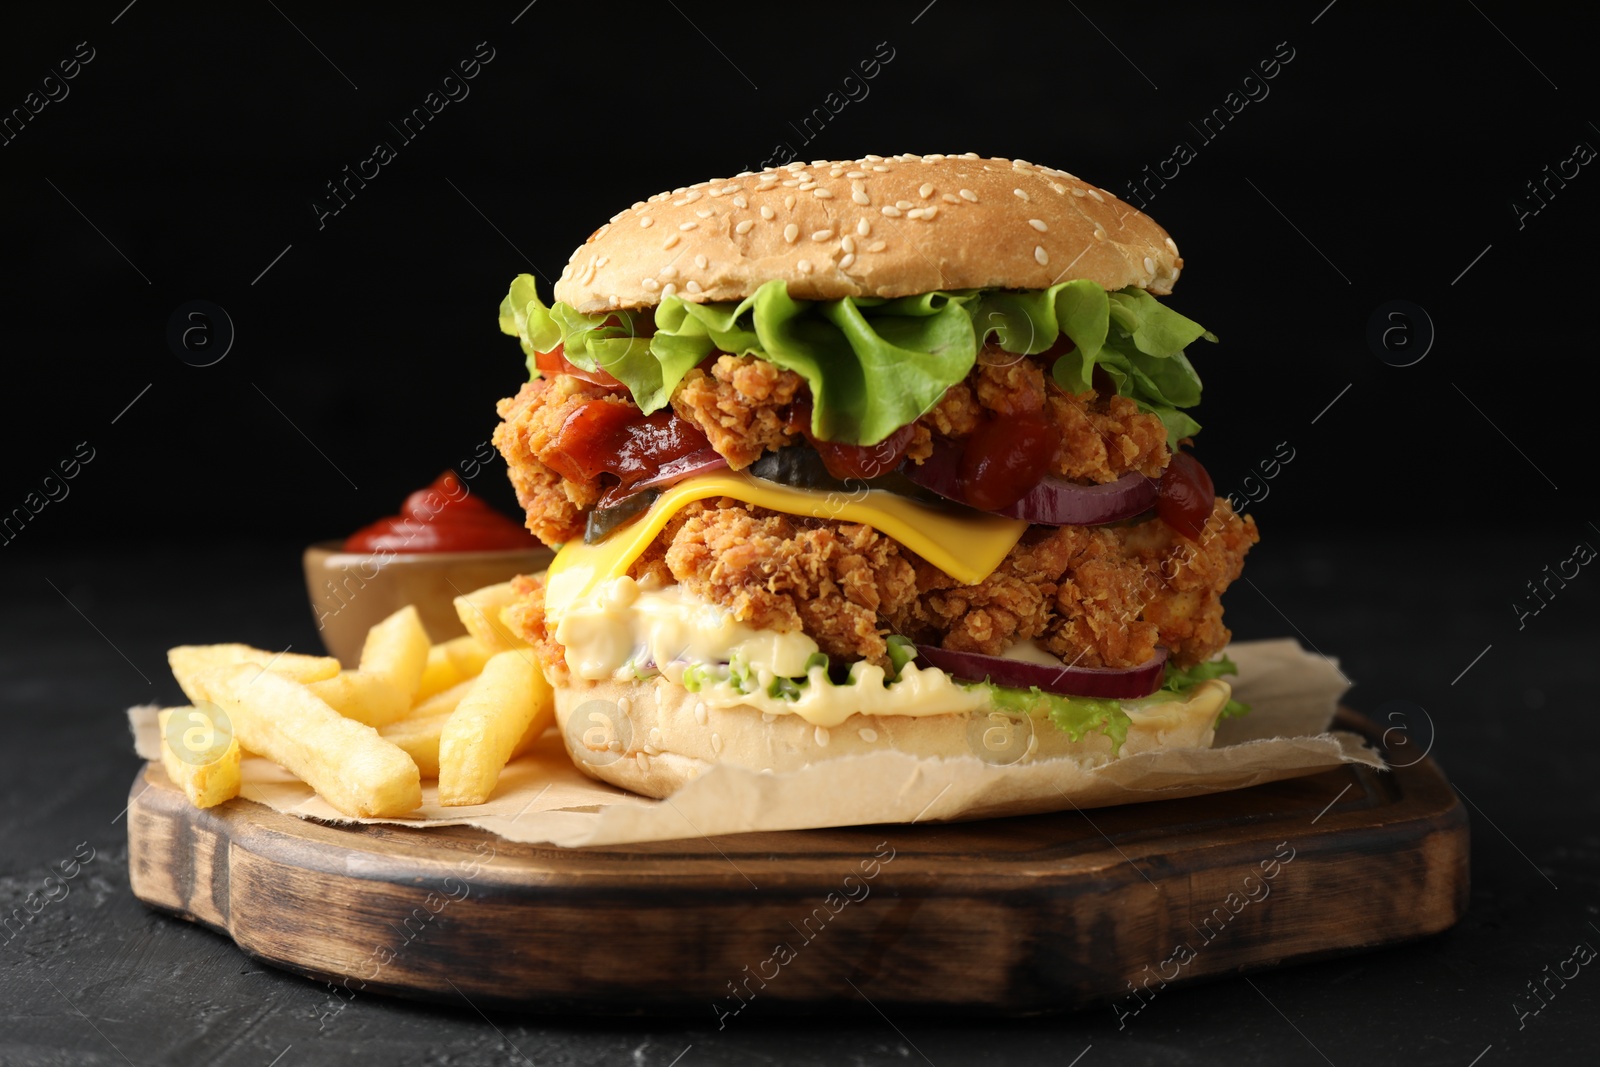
<point>886,453</point>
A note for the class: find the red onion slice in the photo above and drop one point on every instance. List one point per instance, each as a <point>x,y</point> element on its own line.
<point>674,470</point>
<point>1053,501</point>
<point>1114,683</point>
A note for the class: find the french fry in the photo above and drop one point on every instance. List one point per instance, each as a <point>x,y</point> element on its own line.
<point>480,614</point>
<point>347,762</point>
<point>208,769</point>
<point>365,698</point>
<point>450,662</point>
<point>504,704</point>
<point>397,650</point>
<point>418,733</point>
<point>189,662</point>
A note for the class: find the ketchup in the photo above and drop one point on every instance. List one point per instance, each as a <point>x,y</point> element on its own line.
<point>1186,496</point>
<point>610,437</point>
<point>846,462</point>
<point>444,517</point>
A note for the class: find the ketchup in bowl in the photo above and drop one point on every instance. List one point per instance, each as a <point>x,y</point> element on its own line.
<point>444,517</point>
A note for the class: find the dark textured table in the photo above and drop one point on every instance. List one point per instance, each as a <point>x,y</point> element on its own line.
<point>96,978</point>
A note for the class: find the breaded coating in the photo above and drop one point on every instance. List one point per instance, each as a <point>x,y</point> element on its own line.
<point>526,618</point>
<point>739,406</point>
<point>744,405</point>
<point>1100,596</point>
<point>530,423</point>
<point>783,572</point>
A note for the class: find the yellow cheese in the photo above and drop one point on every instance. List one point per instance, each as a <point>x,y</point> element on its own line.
<point>964,545</point>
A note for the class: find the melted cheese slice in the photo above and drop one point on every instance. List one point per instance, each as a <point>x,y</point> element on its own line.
<point>966,546</point>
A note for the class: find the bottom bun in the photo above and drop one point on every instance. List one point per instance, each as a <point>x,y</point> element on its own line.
<point>652,736</point>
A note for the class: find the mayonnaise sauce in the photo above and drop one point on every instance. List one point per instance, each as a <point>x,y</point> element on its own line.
<point>622,628</point>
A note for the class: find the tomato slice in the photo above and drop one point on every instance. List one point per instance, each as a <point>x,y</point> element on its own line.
<point>556,362</point>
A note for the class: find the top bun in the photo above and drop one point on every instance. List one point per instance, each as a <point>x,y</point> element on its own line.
<point>875,226</point>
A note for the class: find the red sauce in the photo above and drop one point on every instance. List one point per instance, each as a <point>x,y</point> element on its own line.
<point>1006,457</point>
<point>849,461</point>
<point>606,437</point>
<point>445,517</point>
<point>1187,496</point>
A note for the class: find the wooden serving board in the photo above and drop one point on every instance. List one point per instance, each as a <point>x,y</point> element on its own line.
<point>1009,916</point>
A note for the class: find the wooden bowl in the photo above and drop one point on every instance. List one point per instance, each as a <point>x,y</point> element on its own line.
<point>350,591</point>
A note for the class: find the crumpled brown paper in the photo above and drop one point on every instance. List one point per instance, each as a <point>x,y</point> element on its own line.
<point>543,799</point>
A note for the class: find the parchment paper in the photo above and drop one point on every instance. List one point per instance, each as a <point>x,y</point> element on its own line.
<point>543,799</point>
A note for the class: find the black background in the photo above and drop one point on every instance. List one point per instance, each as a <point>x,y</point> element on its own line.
<point>1382,165</point>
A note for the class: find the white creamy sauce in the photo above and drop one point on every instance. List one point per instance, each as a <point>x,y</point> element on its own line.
<point>621,627</point>
<point>1030,652</point>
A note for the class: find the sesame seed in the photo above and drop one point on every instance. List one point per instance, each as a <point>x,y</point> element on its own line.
<point>914,213</point>
<point>700,712</point>
<point>716,743</point>
<point>652,750</point>
<point>930,211</point>
<point>933,157</point>
<point>744,227</point>
<point>701,262</point>
<point>791,232</point>
<point>864,228</point>
<point>767,212</point>
<point>856,174</point>
<point>926,190</point>
<point>602,261</point>
<point>731,188</point>
<point>764,186</point>
<point>643,761</point>
<point>877,246</point>
<point>822,736</point>
<point>849,258</point>
<point>671,240</point>
<point>704,213</point>
<point>1058,187</point>
<point>1021,195</point>
<point>868,735</point>
<point>691,196</point>
<point>835,172</point>
<point>645,222</point>
<point>860,196</point>
<point>788,203</point>
<point>881,169</point>
<point>669,289</point>
<point>615,301</point>
<point>1041,255</point>
<point>601,232</point>
<point>1172,245</point>
<point>848,243</point>
<point>1038,224</point>
<point>968,194</point>
<point>791,183</point>
<point>650,284</point>
<point>687,225</point>
<point>969,155</point>
<point>1075,191</point>
<point>1149,265</point>
<point>902,204</point>
<point>692,286</point>
<point>1095,194</point>
<point>668,271</point>
<point>873,159</point>
<point>891,211</point>
<point>1100,235</point>
<point>822,194</point>
<point>714,192</point>
<point>767,716</point>
<point>951,198</point>
<point>740,201</point>
<point>804,266</point>
<point>807,185</point>
<point>822,235</point>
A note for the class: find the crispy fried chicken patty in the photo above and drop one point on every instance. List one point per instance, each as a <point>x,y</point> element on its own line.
<point>1101,596</point>
<point>744,405</point>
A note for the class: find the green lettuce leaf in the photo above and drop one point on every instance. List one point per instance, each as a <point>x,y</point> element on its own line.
<point>1180,680</point>
<point>1074,716</point>
<point>874,365</point>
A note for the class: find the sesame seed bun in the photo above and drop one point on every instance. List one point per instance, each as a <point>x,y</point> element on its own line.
<point>876,226</point>
<point>668,736</point>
